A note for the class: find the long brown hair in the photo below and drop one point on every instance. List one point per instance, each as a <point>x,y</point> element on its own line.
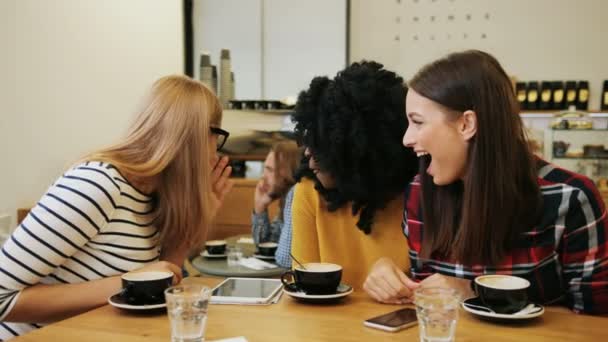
<point>287,157</point>
<point>478,219</point>
<point>168,143</point>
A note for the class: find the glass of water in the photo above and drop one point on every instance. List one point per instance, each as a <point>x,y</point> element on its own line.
<point>234,255</point>
<point>437,311</point>
<point>187,311</point>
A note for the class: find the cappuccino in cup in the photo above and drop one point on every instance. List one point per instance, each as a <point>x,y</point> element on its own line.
<point>504,294</point>
<point>145,288</point>
<point>314,278</point>
<point>267,248</point>
<point>216,246</point>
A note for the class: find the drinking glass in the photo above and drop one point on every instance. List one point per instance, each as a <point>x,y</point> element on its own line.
<point>437,311</point>
<point>234,255</point>
<point>187,311</point>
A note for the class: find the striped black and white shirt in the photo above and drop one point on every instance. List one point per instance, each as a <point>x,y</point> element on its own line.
<point>90,224</point>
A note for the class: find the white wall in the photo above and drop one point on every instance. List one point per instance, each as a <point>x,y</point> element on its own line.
<point>302,39</point>
<point>276,46</point>
<point>81,66</point>
<point>534,40</point>
<point>234,25</point>
<point>8,105</point>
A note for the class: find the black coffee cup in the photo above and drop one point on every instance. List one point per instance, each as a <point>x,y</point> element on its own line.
<point>216,246</point>
<point>145,288</point>
<point>267,248</point>
<point>504,294</point>
<point>314,278</point>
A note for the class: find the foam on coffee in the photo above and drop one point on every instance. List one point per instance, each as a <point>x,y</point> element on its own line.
<point>320,267</point>
<point>215,242</point>
<point>502,282</point>
<point>268,244</point>
<point>146,276</point>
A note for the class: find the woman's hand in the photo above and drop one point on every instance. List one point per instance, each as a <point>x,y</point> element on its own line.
<point>463,286</point>
<point>221,184</point>
<point>261,198</point>
<point>388,284</point>
<point>163,266</point>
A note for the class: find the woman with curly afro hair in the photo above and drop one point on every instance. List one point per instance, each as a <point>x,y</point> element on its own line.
<point>348,206</point>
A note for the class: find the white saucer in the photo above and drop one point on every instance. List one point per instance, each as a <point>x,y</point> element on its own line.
<point>213,256</point>
<point>479,312</point>
<point>342,291</point>
<point>118,302</point>
<point>263,257</point>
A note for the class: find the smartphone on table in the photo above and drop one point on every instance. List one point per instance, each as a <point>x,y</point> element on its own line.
<point>393,321</point>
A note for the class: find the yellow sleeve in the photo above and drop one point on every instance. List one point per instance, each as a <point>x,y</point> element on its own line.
<point>305,243</point>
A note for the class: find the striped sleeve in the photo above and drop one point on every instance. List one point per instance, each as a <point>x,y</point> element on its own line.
<point>584,250</point>
<point>73,211</point>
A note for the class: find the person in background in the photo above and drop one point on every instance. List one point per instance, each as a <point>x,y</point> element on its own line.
<point>348,204</point>
<point>276,185</point>
<point>138,205</point>
<point>484,204</point>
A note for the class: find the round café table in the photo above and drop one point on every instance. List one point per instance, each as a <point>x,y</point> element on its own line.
<point>219,267</point>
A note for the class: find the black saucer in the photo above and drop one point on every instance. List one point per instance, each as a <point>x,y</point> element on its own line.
<point>118,301</point>
<point>475,306</point>
<point>342,291</point>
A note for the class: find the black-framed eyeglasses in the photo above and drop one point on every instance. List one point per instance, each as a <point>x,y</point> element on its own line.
<point>222,136</point>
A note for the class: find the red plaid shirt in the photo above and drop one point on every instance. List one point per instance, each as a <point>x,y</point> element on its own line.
<point>565,257</point>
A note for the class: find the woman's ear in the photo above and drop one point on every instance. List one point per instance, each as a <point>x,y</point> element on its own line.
<point>468,125</point>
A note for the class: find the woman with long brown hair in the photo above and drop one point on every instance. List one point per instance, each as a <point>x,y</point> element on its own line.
<point>138,205</point>
<point>483,203</point>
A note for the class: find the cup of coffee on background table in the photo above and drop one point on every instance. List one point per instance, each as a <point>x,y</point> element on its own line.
<point>314,278</point>
<point>216,247</point>
<point>145,288</point>
<point>504,294</point>
<point>267,248</point>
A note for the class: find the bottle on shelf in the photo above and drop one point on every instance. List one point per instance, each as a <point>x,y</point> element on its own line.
<point>225,69</point>
<point>582,98</point>
<point>532,95</point>
<point>546,94</point>
<point>520,92</point>
<point>206,72</point>
<point>604,100</point>
<point>558,95</point>
<point>571,93</point>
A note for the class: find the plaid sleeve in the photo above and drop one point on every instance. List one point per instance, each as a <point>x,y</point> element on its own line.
<point>584,250</point>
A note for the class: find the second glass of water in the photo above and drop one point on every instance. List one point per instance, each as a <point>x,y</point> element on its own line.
<point>234,255</point>
<point>437,311</point>
<point>187,311</point>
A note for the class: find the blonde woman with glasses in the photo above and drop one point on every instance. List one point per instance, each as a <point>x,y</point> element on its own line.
<point>140,204</point>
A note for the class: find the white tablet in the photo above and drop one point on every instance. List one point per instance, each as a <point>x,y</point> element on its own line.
<point>246,291</point>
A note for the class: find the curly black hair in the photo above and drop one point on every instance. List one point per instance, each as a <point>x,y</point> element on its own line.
<point>353,126</point>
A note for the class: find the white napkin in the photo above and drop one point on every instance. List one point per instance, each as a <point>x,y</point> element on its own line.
<point>245,240</point>
<point>232,339</point>
<point>256,264</point>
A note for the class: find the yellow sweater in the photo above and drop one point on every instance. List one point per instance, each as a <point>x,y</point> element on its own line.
<point>323,236</point>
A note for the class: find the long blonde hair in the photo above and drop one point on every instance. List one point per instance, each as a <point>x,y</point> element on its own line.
<point>168,144</point>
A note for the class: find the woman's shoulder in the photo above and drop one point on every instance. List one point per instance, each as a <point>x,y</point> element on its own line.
<point>305,187</point>
<point>559,186</point>
<point>554,179</point>
<point>103,174</point>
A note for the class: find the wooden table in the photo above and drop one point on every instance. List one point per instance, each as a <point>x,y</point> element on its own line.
<point>292,321</point>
